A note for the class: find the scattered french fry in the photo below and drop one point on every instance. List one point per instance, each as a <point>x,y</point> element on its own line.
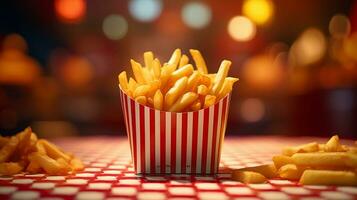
<point>10,168</point>
<point>175,78</point>
<point>281,160</point>
<point>24,152</point>
<point>328,177</point>
<point>248,177</point>
<point>53,151</point>
<point>269,170</point>
<point>328,159</point>
<point>312,164</point>
<point>310,147</point>
<point>290,171</point>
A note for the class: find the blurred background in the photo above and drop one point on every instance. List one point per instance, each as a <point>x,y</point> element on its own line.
<point>296,60</point>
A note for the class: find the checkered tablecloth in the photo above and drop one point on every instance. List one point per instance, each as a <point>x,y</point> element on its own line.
<point>109,175</point>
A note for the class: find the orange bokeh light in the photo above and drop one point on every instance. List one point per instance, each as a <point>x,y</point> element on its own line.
<point>71,11</point>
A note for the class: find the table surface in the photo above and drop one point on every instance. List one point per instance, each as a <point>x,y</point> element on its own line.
<point>109,175</point>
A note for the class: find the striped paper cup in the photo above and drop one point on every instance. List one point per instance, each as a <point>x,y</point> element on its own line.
<point>175,143</point>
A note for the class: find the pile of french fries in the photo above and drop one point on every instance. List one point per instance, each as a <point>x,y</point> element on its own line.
<point>24,152</point>
<point>311,164</point>
<point>176,86</point>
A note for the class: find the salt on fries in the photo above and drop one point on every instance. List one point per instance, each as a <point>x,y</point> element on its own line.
<point>176,85</point>
<point>312,164</point>
<point>24,152</point>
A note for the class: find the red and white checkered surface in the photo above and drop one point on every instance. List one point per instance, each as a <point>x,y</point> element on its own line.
<point>109,175</point>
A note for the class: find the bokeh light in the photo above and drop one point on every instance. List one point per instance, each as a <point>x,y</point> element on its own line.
<point>241,28</point>
<point>259,11</point>
<point>309,48</point>
<point>76,71</point>
<point>252,110</point>
<point>340,26</point>
<point>145,10</point>
<point>350,46</point>
<point>262,72</point>
<point>196,15</point>
<point>115,27</point>
<point>71,11</point>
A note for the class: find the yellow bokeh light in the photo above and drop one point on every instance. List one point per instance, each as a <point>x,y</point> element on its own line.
<point>241,28</point>
<point>259,11</point>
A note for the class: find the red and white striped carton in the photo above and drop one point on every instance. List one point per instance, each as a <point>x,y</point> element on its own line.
<point>175,142</point>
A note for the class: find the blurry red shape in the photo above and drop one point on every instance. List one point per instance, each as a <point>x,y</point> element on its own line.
<point>70,11</point>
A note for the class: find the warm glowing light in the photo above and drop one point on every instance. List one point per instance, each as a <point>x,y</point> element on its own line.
<point>77,71</point>
<point>115,27</point>
<point>350,46</point>
<point>70,10</point>
<point>309,48</point>
<point>241,28</point>
<point>259,11</point>
<point>252,110</point>
<point>196,15</point>
<point>263,72</point>
<point>145,10</point>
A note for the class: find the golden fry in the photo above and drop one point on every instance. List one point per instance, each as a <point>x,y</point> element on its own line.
<point>138,71</point>
<point>53,151</point>
<point>158,100</point>
<point>175,92</point>
<point>199,61</point>
<point>183,61</point>
<point>123,80</point>
<point>305,148</point>
<point>281,160</point>
<point>76,164</point>
<point>221,76</point>
<point>8,149</point>
<point>328,177</point>
<point>248,177</point>
<point>141,99</point>
<point>268,171</point>
<point>209,101</point>
<point>10,168</point>
<point>193,81</point>
<point>175,58</point>
<point>202,90</point>
<point>327,159</point>
<point>33,167</point>
<point>290,171</point>
<point>141,90</point>
<point>148,59</point>
<point>156,67</point>
<point>186,70</point>
<point>333,144</point>
<point>183,102</point>
<point>48,164</point>
<point>226,87</point>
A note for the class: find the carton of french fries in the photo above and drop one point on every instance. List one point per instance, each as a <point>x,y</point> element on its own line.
<point>25,153</point>
<point>311,164</point>
<point>175,113</point>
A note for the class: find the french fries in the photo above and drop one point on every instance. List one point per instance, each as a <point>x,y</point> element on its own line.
<point>311,164</point>
<point>24,152</point>
<point>176,85</point>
